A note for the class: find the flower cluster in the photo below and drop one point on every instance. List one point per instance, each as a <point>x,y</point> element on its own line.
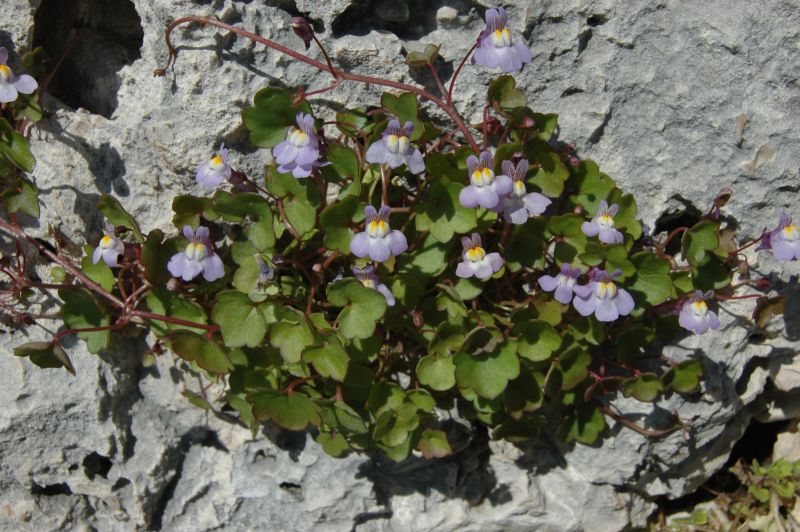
<point>198,257</point>
<point>601,296</point>
<point>11,85</point>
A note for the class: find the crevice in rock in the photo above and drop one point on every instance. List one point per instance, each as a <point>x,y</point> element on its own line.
<point>48,490</point>
<point>672,219</point>
<point>109,37</point>
<point>569,91</point>
<point>366,517</point>
<point>408,19</point>
<point>597,134</point>
<point>96,464</point>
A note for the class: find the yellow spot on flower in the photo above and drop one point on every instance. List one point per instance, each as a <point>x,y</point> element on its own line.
<point>502,37</point>
<point>790,232</point>
<point>606,289</point>
<point>369,283</point>
<point>699,307</point>
<point>377,228</point>
<point>216,161</point>
<point>606,220</point>
<point>5,72</point>
<point>482,177</point>
<point>475,254</point>
<point>195,251</point>
<point>106,241</point>
<point>519,188</point>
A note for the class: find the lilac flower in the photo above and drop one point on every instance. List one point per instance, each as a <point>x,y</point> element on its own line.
<point>378,240</point>
<point>603,225</point>
<point>563,283</point>
<point>695,315</point>
<point>299,153</point>
<point>198,257</point>
<point>10,84</point>
<point>602,297</point>
<point>265,272</point>
<point>369,278</point>
<point>517,204</point>
<point>395,149</point>
<point>784,241</point>
<point>485,189</point>
<point>495,48</point>
<point>211,173</point>
<point>109,247</point>
<point>476,261</point>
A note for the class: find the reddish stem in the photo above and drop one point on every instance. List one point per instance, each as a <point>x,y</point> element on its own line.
<point>457,72</point>
<point>370,80</point>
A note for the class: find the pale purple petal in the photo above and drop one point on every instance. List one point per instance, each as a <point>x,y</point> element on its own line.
<point>613,210</point>
<point>377,152</point>
<point>784,250</point>
<point>713,320</point>
<point>212,267</point>
<point>98,251</point>
<point>395,159</point>
<point>379,249</point>
<point>503,185</point>
<point>590,228</point>
<point>463,270</point>
<point>609,235</point>
<point>397,242</point>
<point>468,197</point>
<point>472,164</point>
<point>201,235</point>
<point>548,283</point>
<point>416,165</point>
<point>25,84</point>
<point>287,154</point>
<point>370,213</point>
<point>301,170</point>
<point>191,269</point>
<point>624,302</point>
<point>536,203</point>
<point>495,261</point>
<point>687,318</point>
<point>110,256</point>
<point>606,310</point>
<point>486,197</point>
<point>177,264</point>
<point>307,155</point>
<point>514,211</point>
<point>563,294</point>
<point>383,289</point>
<point>7,92</point>
<point>384,212</point>
<point>584,306</point>
<point>188,232</point>
<point>483,270</point>
<point>359,246</point>
<point>584,291</point>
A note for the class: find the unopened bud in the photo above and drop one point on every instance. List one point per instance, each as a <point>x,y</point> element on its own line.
<point>302,29</point>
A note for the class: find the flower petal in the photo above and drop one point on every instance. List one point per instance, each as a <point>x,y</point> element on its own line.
<point>624,302</point>
<point>536,203</point>
<point>397,242</point>
<point>97,254</point>
<point>606,310</point>
<point>416,165</point>
<point>585,307</point>
<point>212,267</point>
<point>177,264</point>
<point>468,197</point>
<point>383,289</point>
<point>495,261</point>
<point>548,283</point>
<point>463,270</point>
<point>503,185</point>
<point>359,246</point>
<point>8,93</point>
<point>377,152</point>
<point>563,294</point>
<point>25,84</point>
<point>379,250</point>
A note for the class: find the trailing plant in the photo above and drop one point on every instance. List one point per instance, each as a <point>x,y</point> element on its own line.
<point>389,269</point>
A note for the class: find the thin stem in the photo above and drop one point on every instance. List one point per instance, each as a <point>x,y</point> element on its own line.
<point>324,89</point>
<point>117,325</point>
<point>286,222</point>
<point>169,319</point>
<point>370,80</point>
<point>672,235</point>
<point>653,433</point>
<point>752,243</point>
<point>385,185</point>
<point>327,58</point>
<point>457,72</point>
<point>438,80</point>
<point>729,298</point>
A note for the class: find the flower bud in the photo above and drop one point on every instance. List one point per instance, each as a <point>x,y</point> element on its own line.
<point>302,29</point>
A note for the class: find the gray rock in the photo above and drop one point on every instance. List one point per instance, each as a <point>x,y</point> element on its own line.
<point>649,90</point>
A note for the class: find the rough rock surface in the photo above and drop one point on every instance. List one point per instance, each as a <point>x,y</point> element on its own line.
<point>650,90</point>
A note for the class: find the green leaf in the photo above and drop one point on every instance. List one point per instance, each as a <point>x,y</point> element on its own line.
<point>293,411</point>
<point>567,226</point>
<point>615,257</point>
<point>423,58</point>
<point>197,400</point>
<point>429,259</point>
<point>343,160</point>
<point>329,359</point>
<point>194,348</point>
<point>407,289</point>
<point>272,113</point>
<point>384,396</point>
<point>166,303</point>
<point>81,311</point>
<point>188,210</point>
<point>526,245</point>
<point>100,272</point>
<point>644,387</point>
<point>119,217</point>
<point>504,95</point>
<point>632,341</point>
<point>404,107</point>
<point>523,394</point>
<point>698,241</point>
<point>573,367</point>
<point>436,372</point>
<point>300,214</point>
<point>22,197</point>
<point>712,275</point>
<point>652,281</point>
<point>537,340</point>
<point>291,339</point>
<point>487,374</point>
<point>392,427</point>
<point>584,426</point>
<point>14,146</point>
<point>45,355</point>
<point>350,121</point>
<point>334,220</point>
<point>592,185</point>
<point>333,445</point>
<point>239,319</point>
<point>363,307</point>
<point>434,444</point>
<point>156,255</point>
<point>684,377</point>
<point>551,173</point>
<point>442,213</point>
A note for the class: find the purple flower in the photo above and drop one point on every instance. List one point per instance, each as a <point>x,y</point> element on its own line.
<point>485,189</point>
<point>302,29</point>
<point>602,297</point>
<point>198,257</point>
<point>369,278</point>
<point>10,84</point>
<point>603,225</point>
<point>299,153</point>
<point>517,204</point>
<point>476,261</point>
<point>784,241</point>
<point>265,272</point>
<point>495,48</point>
<point>563,283</point>
<point>211,173</point>
<point>109,248</point>
<point>395,148</point>
<point>378,240</point>
<point>695,315</point>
